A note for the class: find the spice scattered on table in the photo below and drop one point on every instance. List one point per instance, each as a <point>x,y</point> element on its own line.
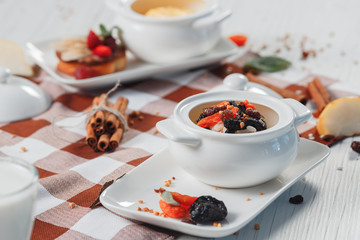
<point>256,226</point>
<point>297,199</point>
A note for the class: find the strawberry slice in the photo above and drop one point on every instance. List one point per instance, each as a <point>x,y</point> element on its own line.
<point>102,51</point>
<point>83,72</point>
<point>93,40</point>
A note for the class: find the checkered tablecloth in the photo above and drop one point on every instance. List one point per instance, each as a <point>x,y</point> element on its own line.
<point>70,171</point>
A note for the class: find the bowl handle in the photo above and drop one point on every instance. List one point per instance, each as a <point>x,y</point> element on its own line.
<point>302,113</point>
<point>168,129</point>
<point>215,18</point>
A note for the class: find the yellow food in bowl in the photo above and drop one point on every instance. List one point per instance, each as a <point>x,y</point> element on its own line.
<point>169,11</point>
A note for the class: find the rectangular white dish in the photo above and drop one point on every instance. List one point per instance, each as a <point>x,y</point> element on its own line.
<point>139,184</point>
<point>44,55</point>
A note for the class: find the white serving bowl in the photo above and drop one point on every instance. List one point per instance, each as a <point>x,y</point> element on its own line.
<point>161,40</point>
<point>235,160</point>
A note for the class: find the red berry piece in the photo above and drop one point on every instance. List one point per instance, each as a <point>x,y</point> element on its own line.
<point>83,72</point>
<point>93,40</point>
<point>102,51</point>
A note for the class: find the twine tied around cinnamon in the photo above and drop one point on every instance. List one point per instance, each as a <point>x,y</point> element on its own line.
<point>106,134</point>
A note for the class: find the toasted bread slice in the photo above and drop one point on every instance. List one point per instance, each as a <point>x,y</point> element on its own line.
<point>117,64</point>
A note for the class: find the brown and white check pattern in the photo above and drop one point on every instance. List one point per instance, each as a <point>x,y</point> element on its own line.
<point>70,171</point>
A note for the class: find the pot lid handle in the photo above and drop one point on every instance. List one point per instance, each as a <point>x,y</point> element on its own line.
<point>236,81</point>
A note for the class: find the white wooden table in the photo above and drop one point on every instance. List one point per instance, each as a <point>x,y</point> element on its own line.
<point>331,191</point>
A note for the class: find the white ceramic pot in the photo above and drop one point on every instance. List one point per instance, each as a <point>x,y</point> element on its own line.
<point>161,40</point>
<point>235,160</point>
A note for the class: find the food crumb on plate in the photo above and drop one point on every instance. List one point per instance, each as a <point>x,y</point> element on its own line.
<point>247,199</point>
<point>217,224</point>
<point>72,205</point>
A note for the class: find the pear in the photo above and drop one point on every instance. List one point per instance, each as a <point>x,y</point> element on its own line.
<point>340,117</point>
<point>12,57</point>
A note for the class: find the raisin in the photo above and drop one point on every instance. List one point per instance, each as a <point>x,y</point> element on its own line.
<point>355,145</point>
<point>226,114</point>
<point>253,113</point>
<point>296,199</point>
<point>212,110</point>
<point>207,209</point>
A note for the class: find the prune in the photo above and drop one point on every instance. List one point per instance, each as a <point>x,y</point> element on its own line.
<point>226,114</point>
<point>201,117</point>
<point>355,145</point>
<point>207,209</point>
<point>242,108</point>
<point>253,113</point>
<point>258,124</point>
<point>232,125</point>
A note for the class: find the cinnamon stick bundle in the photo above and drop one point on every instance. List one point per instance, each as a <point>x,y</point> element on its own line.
<point>319,93</point>
<point>91,138</point>
<point>283,92</point>
<point>105,129</point>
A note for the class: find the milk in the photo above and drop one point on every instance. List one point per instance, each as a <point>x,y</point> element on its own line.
<point>17,195</point>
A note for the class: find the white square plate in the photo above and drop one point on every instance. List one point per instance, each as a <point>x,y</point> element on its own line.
<point>139,184</point>
<point>44,55</point>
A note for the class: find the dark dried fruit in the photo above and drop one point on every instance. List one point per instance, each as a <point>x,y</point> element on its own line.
<point>210,111</point>
<point>201,117</point>
<point>296,199</point>
<point>226,114</point>
<point>232,125</point>
<point>355,145</point>
<point>207,209</point>
<point>253,113</point>
<point>259,125</point>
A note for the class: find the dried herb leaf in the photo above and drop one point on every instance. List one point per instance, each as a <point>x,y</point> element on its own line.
<point>168,198</point>
<point>97,203</point>
<point>266,64</point>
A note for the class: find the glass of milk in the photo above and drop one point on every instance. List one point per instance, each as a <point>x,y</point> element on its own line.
<point>18,188</point>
